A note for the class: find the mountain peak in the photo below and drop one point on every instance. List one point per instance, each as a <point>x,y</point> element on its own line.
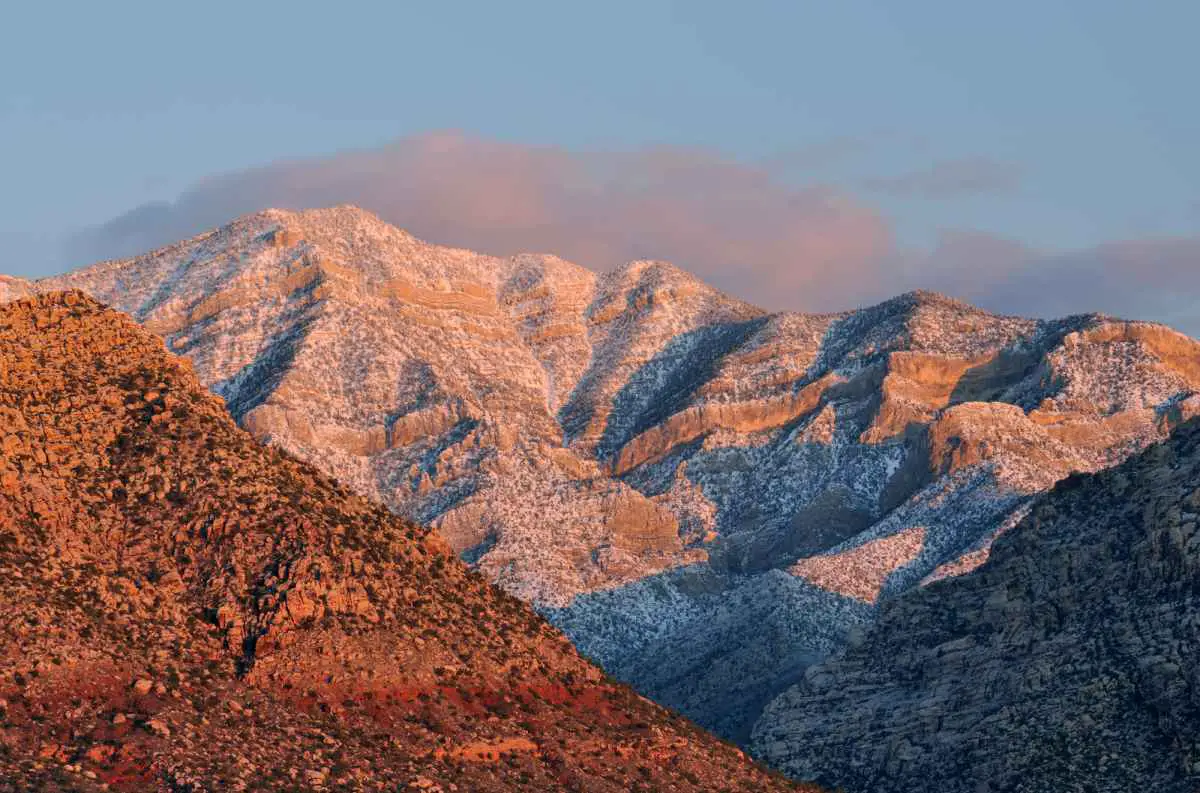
<point>655,272</point>
<point>334,221</point>
<point>12,288</point>
<point>648,277</point>
<point>924,298</point>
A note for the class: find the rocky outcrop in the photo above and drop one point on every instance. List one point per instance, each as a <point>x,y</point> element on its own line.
<point>860,572</point>
<point>694,423</point>
<point>590,441</point>
<point>1022,452</point>
<point>183,608</point>
<point>914,388</point>
<point>1066,662</point>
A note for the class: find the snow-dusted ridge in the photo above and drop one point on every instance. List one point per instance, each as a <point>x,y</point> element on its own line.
<point>696,490</point>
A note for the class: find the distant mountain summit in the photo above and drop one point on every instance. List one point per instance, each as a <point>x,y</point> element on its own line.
<point>186,609</point>
<point>707,497</point>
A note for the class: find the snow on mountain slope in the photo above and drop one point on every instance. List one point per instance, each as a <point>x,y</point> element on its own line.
<point>421,376</point>
<point>705,496</point>
<point>1067,662</point>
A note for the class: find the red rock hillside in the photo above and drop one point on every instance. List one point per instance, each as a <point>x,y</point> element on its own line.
<point>186,610</point>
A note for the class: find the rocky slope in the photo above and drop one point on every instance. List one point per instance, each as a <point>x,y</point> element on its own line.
<point>668,473</point>
<point>1066,663</point>
<point>184,609</point>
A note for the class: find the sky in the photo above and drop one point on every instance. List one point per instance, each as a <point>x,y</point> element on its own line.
<point>1033,157</point>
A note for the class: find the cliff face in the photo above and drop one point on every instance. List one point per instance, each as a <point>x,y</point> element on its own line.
<point>665,471</point>
<point>1066,662</point>
<point>183,608</point>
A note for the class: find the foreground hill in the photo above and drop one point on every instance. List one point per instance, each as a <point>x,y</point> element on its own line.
<point>1068,662</point>
<point>666,472</point>
<point>182,608</point>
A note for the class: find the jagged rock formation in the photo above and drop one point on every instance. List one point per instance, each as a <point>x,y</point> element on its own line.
<point>1067,662</point>
<point>667,472</point>
<point>182,608</point>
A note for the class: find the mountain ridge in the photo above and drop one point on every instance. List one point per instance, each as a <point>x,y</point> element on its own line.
<point>188,609</point>
<point>658,466</point>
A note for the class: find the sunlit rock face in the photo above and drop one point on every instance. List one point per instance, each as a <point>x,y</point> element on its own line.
<point>185,609</point>
<point>707,497</point>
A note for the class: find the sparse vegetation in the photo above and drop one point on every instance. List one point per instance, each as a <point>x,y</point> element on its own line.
<point>237,621</point>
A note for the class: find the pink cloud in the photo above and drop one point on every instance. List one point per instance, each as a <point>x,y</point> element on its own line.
<point>1154,278</point>
<point>726,221</point>
<point>812,248</point>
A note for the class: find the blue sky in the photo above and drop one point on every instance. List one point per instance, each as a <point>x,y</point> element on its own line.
<point>1058,125</point>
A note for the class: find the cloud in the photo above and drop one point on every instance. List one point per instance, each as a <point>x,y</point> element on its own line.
<point>729,222</point>
<point>734,224</point>
<point>1155,279</point>
<point>947,179</point>
<point>1151,279</point>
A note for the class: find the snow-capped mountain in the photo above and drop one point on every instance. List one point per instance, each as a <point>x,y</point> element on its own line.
<point>707,497</point>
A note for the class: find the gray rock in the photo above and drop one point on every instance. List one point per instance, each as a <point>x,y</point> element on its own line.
<point>1067,662</point>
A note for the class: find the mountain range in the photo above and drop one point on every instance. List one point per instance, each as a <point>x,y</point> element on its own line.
<point>708,498</point>
<point>185,609</point>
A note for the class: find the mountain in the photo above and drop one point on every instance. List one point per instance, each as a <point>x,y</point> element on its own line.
<point>186,609</point>
<point>708,498</point>
<point>1067,662</point>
